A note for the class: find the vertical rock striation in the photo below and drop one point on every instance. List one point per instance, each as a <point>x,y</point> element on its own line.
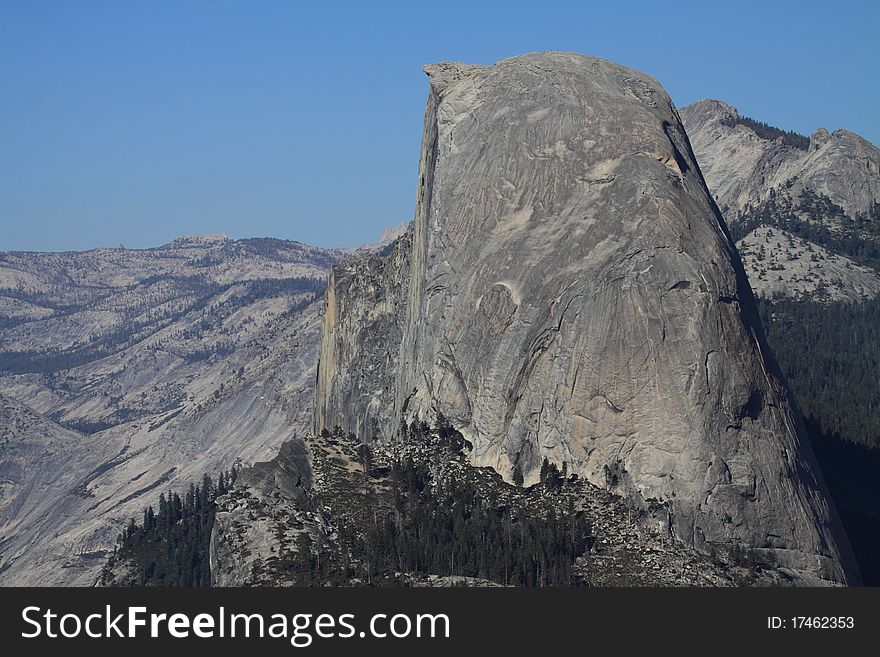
<point>568,290</point>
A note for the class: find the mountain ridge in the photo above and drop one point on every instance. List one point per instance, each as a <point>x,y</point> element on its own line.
<point>151,368</point>
<point>827,194</point>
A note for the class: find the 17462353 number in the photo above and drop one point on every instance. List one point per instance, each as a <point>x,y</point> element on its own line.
<point>811,623</point>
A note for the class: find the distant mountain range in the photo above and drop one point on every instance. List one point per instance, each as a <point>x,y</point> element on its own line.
<point>125,372</point>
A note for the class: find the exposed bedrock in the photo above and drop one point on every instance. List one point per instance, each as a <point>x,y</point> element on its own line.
<point>568,290</point>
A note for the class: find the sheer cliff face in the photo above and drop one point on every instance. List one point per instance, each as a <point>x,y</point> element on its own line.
<point>569,292</point>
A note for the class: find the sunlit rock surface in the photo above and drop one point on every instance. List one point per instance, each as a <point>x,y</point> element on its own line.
<point>568,291</point>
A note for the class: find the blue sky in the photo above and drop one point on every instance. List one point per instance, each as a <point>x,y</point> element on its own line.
<point>134,122</point>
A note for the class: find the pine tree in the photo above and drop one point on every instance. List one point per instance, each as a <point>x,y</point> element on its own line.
<point>365,458</point>
<point>518,479</point>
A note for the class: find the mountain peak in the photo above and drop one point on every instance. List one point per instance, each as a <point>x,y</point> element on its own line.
<point>557,194</point>
<point>819,139</point>
<point>715,104</point>
<point>392,233</point>
<point>708,110</point>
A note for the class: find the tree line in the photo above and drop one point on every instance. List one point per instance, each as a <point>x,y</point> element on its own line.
<point>769,132</point>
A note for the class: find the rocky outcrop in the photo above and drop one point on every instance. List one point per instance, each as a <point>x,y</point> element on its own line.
<point>261,525</point>
<point>821,193</point>
<point>741,168</point>
<point>246,527</point>
<point>568,290</point>
<point>356,379</point>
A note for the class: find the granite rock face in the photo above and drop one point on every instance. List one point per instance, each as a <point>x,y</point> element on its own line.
<point>357,379</point>
<point>741,168</point>
<point>813,195</point>
<point>568,290</point>
<point>244,533</point>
